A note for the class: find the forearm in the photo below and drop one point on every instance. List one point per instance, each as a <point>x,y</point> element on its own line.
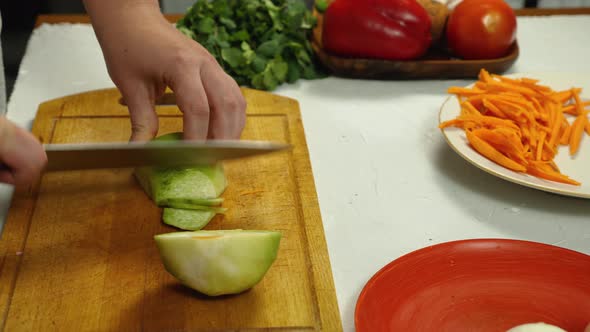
<point>111,17</point>
<point>123,24</point>
<point>101,10</point>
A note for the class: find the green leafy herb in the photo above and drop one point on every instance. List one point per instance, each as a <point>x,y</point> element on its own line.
<point>321,5</point>
<point>260,43</point>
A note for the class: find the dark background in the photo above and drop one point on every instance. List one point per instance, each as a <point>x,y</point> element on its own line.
<point>18,20</point>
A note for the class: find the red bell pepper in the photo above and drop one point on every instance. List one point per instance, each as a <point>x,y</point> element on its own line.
<point>382,29</point>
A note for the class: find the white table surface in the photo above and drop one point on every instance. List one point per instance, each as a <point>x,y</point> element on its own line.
<point>387,182</point>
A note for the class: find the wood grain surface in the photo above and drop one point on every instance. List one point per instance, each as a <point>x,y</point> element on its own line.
<point>78,252</point>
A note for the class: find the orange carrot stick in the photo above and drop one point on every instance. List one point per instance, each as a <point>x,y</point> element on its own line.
<point>556,126</point>
<point>493,109</point>
<point>484,76</point>
<point>482,120</point>
<point>503,86</point>
<point>563,96</point>
<point>573,108</point>
<point>541,143</point>
<point>576,133</point>
<point>517,122</point>
<point>578,101</point>
<point>508,146</point>
<point>494,155</point>
<point>553,176</point>
<point>565,137</point>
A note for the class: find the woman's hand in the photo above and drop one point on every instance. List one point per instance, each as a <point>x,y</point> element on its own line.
<point>145,54</point>
<point>21,153</point>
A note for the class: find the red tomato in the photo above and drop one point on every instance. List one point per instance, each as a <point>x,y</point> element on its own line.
<point>481,29</point>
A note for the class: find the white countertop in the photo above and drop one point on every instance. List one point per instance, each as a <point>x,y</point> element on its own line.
<point>387,182</point>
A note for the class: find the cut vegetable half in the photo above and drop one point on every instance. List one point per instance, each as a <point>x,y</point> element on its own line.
<point>219,262</point>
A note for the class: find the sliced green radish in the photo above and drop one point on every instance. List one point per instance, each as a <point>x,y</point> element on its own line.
<point>190,220</point>
<point>178,184</point>
<point>201,185</point>
<point>217,209</point>
<point>219,262</point>
<point>193,204</point>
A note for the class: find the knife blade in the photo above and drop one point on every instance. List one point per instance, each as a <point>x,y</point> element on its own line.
<point>82,156</point>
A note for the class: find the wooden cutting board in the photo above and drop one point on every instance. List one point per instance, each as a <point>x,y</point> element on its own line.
<point>77,251</point>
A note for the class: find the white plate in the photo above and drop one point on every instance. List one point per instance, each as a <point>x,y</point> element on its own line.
<point>576,167</point>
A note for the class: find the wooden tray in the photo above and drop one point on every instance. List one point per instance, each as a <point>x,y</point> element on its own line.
<point>434,65</point>
<point>77,252</point>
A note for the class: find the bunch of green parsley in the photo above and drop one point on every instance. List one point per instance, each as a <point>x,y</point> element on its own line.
<point>260,43</point>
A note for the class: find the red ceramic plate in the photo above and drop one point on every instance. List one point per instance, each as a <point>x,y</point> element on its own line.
<point>478,285</point>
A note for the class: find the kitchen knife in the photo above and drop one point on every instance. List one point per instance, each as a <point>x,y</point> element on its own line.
<point>164,153</point>
<point>63,157</point>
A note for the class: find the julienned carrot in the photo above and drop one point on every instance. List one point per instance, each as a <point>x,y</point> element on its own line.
<point>565,137</point>
<point>483,120</point>
<point>556,123</point>
<point>553,176</point>
<point>489,152</point>
<point>519,123</point>
<point>506,142</point>
<point>578,101</point>
<point>470,109</point>
<point>540,145</point>
<point>493,109</point>
<point>564,96</point>
<point>503,86</point>
<point>577,131</point>
<point>542,166</point>
<point>484,76</point>
<point>573,108</point>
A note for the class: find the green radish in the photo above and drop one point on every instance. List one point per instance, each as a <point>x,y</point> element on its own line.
<point>195,185</point>
<point>191,204</point>
<point>219,262</point>
<point>190,220</point>
<point>185,184</point>
<point>216,209</point>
